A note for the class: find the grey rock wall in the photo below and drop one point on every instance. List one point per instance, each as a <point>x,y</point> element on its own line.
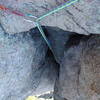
<point>79,77</point>
<point>81,17</point>
<point>25,66</point>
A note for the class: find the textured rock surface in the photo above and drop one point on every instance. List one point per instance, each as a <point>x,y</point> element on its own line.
<point>24,66</point>
<point>82,17</point>
<point>79,77</point>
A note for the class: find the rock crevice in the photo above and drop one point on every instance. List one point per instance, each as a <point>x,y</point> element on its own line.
<point>29,67</point>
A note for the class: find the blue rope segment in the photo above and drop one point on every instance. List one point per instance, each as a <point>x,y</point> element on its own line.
<point>43,34</point>
<point>68,3</point>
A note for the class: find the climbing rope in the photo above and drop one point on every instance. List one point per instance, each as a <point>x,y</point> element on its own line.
<point>43,34</point>
<point>68,3</point>
<point>37,20</point>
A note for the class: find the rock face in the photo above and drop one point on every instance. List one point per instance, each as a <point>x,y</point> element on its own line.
<point>26,67</point>
<point>79,77</point>
<point>81,17</point>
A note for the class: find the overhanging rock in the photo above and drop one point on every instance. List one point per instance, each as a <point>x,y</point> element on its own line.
<point>81,17</point>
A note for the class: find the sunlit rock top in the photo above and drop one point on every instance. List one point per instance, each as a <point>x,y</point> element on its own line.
<point>82,17</point>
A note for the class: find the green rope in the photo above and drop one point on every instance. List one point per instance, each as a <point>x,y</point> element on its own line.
<point>43,34</point>
<point>68,3</point>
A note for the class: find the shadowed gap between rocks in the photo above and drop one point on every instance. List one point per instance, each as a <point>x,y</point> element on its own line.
<point>30,54</point>
<point>70,56</point>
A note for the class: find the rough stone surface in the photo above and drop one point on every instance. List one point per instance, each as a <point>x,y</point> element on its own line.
<point>79,75</point>
<point>82,17</point>
<point>26,68</point>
